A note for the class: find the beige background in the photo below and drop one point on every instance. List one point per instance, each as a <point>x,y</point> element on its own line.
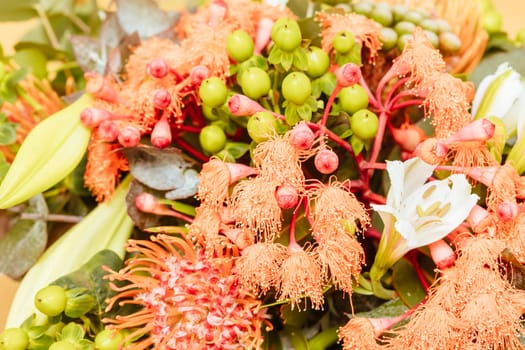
<point>9,32</point>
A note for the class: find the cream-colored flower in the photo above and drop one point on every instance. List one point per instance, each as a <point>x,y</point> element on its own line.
<point>418,213</point>
<point>502,95</point>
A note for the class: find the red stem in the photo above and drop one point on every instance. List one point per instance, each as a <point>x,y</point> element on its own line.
<point>192,151</point>
<point>395,87</point>
<point>293,220</point>
<point>412,258</point>
<point>383,119</point>
<point>371,98</point>
<point>404,104</point>
<point>188,128</point>
<point>345,145</point>
<point>329,104</point>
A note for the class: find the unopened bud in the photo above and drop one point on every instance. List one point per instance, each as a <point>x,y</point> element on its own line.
<point>264,33</point>
<point>507,211</point>
<point>161,98</point>
<point>326,161</point>
<point>408,137</point>
<point>241,105</point>
<point>108,131</point>
<point>161,134</point>
<point>92,117</point>
<point>158,68</point>
<point>100,87</point>
<point>479,130</point>
<point>286,196</point>
<point>129,136</point>
<point>198,74</point>
<point>442,254</point>
<point>348,74</point>
<point>301,136</point>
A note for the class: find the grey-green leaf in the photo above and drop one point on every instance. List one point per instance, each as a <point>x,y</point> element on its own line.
<point>25,241</point>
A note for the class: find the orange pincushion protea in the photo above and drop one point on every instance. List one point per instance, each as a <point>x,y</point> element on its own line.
<point>188,301</point>
<point>38,102</point>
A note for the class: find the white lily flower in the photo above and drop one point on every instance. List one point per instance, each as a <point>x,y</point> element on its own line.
<point>502,95</point>
<point>417,212</point>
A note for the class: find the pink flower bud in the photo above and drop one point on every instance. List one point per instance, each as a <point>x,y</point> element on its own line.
<point>286,196</point>
<point>479,130</point>
<point>157,68</point>
<point>241,105</point>
<point>408,136</point>
<point>239,171</point>
<point>507,211</point>
<point>264,33</point>
<point>198,74</point>
<point>161,99</point>
<point>92,117</point>
<point>100,87</point>
<point>108,131</point>
<point>129,136</point>
<point>301,136</point>
<point>478,217</point>
<point>147,203</point>
<point>217,11</point>
<point>485,175</point>
<point>326,161</point>
<point>161,134</point>
<point>348,74</point>
<point>442,254</point>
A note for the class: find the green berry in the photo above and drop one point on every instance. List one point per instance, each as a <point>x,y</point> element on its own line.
<point>14,339</point>
<point>212,138</point>
<point>62,345</point>
<point>261,126</point>
<point>413,16</point>
<point>51,300</point>
<point>255,83</point>
<point>432,37</point>
<point>364,124</point>
<point>388,38</point>
<point>318,61</point>
<point>363,8</point>
<point>296,88</point>
<point>443,25</point>
<point>208,113</point>
<point>449,43</point>
<point>343,42</point>
<point>382,15</point>
<point>353,98</point>
<point>287,35</point>
<point>108,340</point>
<point>402,41</point>
<point>213,92</point>
<point>399,11</point>
<point>404,27</point>
<point>239,45</point>
<point>430,24</point>
<point>492,21</point>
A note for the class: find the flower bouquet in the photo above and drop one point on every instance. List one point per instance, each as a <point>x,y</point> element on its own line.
<point>240,174</point>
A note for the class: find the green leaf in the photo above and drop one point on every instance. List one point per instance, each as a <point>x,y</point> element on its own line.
<point>287,59</point>
<point>90,277</point>
<point>275,55</point>
<point>19,10</point>
<point>160,169</point>
<point>32,59</point>
<point>290,113</point>
<point>357,144</point>
<point>7,133</point>
<point>391,308</point>
<point>25,241</point>
<point>52,7</point>
<point>489,64</point>
<point>305,112</point>
<point>72,332</point>
<point>49,153</point>
<point>4,166</point>
<point>300,60</point>
<point>406,283</point>
<point>144,17</point>
<point>237,149</point>
<point>296,337</point>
